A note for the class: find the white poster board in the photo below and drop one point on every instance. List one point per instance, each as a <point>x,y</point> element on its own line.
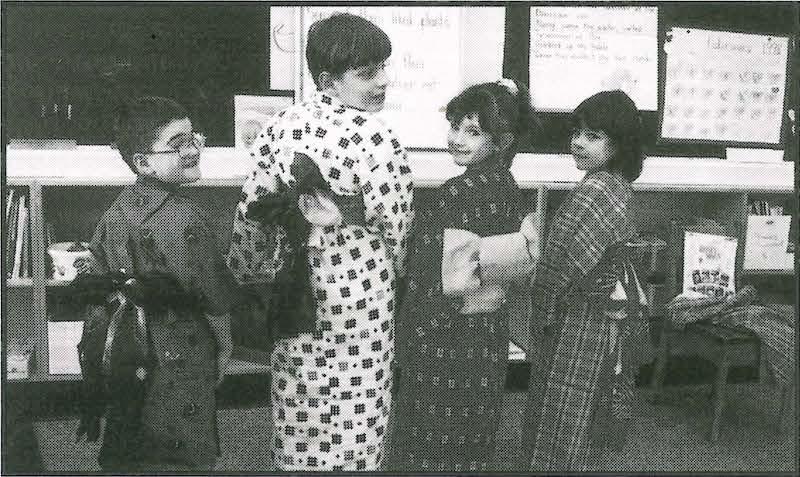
<point>281,47</point>
<point>766,243</point>
<point>436,52</point>
<point>723,86</point>
<point>576,52</point>
<point>709,264</point>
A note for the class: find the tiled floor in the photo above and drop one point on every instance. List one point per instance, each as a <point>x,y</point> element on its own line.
<point>666,437</point>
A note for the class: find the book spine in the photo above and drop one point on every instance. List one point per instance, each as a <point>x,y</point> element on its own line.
<point>23,217</point>
<point>11,238</point>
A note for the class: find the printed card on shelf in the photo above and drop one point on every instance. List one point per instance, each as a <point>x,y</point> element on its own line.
<point>766,243</point>
<point>62,345</point>
<point>709,264</point>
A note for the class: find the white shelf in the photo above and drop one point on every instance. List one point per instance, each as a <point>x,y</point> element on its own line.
<point>19,282</point>
<point>227,167</point>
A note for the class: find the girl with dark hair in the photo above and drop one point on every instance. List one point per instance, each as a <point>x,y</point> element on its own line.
<point>587,329</point>
<point>331,373</point>
<point>452,327</point>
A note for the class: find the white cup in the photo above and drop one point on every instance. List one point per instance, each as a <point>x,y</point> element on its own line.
<point>64,259</point>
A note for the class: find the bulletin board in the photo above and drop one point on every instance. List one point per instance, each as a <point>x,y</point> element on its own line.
<point>436,53</point>
<point>577,51</point>
<point>724,86</point>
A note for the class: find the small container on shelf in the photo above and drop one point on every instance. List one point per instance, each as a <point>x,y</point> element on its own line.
<point>19,359</point>
<point>64,256</point>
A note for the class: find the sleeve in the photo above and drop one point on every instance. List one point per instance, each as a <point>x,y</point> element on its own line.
<point>248,252</point>
<point>387,188</point>
<point>469,261</point>
<point>211,279</point>
<point>593,220</point>
<point>99,257</point>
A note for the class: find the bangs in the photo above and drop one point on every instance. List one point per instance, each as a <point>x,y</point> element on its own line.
<point>591,116</point>
<point>370,45</point>
<point>342,42</point>
<point>476,102</point>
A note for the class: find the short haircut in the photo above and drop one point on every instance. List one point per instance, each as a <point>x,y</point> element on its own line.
<point>615,113</point>
<point>342,42</point>
<point>499,111</point>
<point>139,121</point>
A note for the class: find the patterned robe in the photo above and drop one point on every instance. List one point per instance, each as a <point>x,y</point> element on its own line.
<point>573,348</point>
<point>330,388</point>
<point>452,366</point>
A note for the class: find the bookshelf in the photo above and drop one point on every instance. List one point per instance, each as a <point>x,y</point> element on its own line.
<point>70,189</point>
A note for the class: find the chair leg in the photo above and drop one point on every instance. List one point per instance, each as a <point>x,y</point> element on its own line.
<point>659,367</point>
<point>720,384</point>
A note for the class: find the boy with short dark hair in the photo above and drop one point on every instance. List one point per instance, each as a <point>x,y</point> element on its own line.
<point>184,347</point>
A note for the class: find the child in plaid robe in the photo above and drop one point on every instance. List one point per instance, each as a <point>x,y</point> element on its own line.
<point>581,341</point>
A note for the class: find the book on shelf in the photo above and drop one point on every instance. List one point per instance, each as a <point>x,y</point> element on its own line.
<point>11,238</point>
<point>22,220</point>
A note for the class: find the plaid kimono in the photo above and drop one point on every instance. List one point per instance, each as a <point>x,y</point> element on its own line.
<point>577,340</point>
<point>451,366</point>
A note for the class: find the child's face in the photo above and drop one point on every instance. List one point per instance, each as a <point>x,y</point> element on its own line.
<point>468,142</point>
<point>362,88</point>
<point>591,148</point>
<point>174,157</point>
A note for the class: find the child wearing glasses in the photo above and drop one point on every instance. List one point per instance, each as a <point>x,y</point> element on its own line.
<point>152,228</point>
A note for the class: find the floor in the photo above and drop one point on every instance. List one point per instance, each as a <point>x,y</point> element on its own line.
<point>665,437</point>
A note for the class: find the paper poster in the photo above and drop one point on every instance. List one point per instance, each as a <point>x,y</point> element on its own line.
<point>281,47</point>
<point>251,114</point>
<point>709,264</point>
<point>62,346</point>
<point>766,243</point>
<point>723,86</point>
<point>576,52</point>
<point>435,54</point>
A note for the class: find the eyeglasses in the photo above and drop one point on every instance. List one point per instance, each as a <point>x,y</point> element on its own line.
<point>196,141</point>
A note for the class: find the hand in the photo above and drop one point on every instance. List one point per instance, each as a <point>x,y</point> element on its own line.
<point>531,229</point>
<point>224,352</point>
<point>221,327</point>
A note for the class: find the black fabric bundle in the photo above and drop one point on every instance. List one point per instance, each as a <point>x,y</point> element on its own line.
<point>126,384</point>
<point>291,309</point>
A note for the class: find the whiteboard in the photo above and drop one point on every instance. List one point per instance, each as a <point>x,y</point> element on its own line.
<point>723,86</point>
<point>436,52</point>
<point>281,47</point>
<point>576,52</point>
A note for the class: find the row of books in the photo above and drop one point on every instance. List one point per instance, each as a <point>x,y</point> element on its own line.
<point>763,207</point>
<point>18,234</point>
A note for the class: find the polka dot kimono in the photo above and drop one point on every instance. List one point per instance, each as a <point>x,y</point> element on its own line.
<point>330,388</point>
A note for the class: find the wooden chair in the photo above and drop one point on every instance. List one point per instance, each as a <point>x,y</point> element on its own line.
<point>726,346</point>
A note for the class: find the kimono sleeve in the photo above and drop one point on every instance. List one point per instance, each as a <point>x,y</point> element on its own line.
<point>248,251</point>
<point>387,188</point>
<point>210,278</point>
<point>595,219</point>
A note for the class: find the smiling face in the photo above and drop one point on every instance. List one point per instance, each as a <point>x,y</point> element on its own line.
<point>591,148</point>
<point>362,88</point>
<point>174,157</point>
<point>468,142</point>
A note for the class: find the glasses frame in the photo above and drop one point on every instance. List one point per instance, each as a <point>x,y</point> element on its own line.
<point>198,142</point>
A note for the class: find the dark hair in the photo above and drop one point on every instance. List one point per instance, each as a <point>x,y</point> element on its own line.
<point>615,113</point>
<point>139,121</point>
<point>499,111</point>
<point>342,42</point>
